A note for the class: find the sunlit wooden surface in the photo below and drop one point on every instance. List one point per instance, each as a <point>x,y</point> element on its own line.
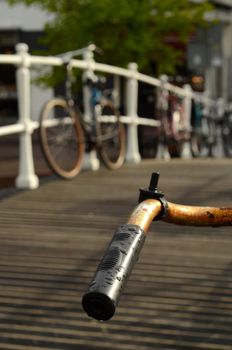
<point>51,239</point>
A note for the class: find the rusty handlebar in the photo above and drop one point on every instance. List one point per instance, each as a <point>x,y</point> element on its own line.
<point>149,209</point>
<point>104,291</point>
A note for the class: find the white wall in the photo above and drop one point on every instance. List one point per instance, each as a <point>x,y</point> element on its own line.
<point>22,17</point>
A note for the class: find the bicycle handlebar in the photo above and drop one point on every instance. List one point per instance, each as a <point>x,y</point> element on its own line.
<point>104,291</point>
<point>67,56</point>
<point>198,216</point>
<point>113,271</point>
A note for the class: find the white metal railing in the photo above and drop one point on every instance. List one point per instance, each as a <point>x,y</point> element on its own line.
<point>25,126</point>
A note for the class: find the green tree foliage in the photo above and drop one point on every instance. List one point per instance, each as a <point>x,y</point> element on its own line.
<point>126,30</point>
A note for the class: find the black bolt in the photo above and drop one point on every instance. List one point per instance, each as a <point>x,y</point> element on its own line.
<point>154,181</point>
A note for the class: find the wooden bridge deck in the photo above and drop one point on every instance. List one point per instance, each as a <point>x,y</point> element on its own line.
<point>51,239</point>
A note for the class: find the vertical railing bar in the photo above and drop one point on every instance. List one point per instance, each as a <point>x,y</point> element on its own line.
<point>132,155</point>
<point>187,104</point>
<point>91,160</point>
<point>26,179</point>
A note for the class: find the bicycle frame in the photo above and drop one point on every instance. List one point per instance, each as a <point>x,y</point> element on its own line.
<point>66,58</point>
<point>104,291</point>
<point>96,94</point>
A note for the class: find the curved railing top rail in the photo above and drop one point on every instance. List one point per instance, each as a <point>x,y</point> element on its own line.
<point>18,59</point>
<point>123,72</point>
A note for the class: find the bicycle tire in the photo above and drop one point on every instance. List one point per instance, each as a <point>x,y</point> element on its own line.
<point>211,138</point>
<point>62,139</point>
<point>175,148</point>
<point>197,143</point>
<point>177,134</point>
<point>111,136</point>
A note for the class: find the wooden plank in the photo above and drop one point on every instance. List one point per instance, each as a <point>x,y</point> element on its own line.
<point>51,240</point>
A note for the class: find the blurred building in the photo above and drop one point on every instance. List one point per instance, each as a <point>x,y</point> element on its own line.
<point>209,51</point>
<point>19,24</point>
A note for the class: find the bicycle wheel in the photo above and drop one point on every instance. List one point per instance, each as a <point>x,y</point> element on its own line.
<point>177,134</point>
<point>111,136</point>
<point>62,138</point>
<point>197,143</point>
<point>204,139</point>
<point>211,138</point>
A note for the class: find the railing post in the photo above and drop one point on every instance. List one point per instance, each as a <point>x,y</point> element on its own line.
<point>27,179</point>
<point>91,160</point>
<point>186,150</point>
<point>132,155</point>
<point>204,127</point>
<point>220,111</point>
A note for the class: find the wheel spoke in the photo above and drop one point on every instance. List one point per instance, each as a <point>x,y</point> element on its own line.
<point>111,138</point>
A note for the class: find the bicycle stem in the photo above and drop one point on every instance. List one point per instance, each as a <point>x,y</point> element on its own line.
<point>104,291</point>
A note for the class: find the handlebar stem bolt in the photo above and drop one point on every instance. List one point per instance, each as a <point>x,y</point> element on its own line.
<point>154,181</point>
<point>152,192</point>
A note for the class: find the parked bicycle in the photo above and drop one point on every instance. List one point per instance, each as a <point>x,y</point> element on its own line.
<point>65,132</point>
<point>104,291</point>
<point>206,129</point>
<point>172,132</point>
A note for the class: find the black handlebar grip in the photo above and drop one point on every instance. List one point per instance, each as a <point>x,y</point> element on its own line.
<point>102,296</point>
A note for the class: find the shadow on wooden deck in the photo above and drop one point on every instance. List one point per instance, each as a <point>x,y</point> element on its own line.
<point>9,164</point>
